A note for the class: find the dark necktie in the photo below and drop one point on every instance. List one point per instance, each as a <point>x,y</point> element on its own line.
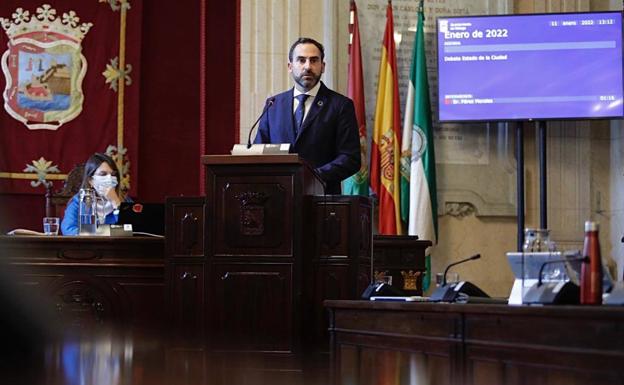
<point>300,112</point>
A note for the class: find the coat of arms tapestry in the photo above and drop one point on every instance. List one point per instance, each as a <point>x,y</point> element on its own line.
<point>70,87</point>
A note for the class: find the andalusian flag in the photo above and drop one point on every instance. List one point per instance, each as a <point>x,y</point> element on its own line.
<point>406,145</point>
<point>423,202</point>
<point>358,183</point>
<point>386,136</point>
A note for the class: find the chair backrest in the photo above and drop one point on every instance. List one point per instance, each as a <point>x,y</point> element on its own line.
<point>56,201</point>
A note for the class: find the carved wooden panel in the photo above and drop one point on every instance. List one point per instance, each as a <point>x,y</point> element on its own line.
<point>144,300</point>
<point>185,226</point>
<point>187,307</point>
<point>331,282</point>
<point>251,307</point>
<point>341,226</point>
<point>334,226</point>
<point>254,215</point>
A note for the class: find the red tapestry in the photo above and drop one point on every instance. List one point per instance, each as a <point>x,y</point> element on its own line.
<point>70,88</point>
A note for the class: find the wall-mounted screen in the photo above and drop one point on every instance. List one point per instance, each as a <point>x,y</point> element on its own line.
<point>530,67</point>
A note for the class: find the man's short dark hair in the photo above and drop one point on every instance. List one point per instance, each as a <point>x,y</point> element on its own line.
<point>306,40</point>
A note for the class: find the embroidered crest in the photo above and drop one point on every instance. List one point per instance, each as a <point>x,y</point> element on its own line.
<point>419,142</point>
<point>44,67</point>
<point>386,148</point>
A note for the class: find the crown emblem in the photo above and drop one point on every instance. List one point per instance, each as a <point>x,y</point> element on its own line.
<point>44,22</point>
<point>44,67</point>
<point>382,276</point>
<point>410,279</point>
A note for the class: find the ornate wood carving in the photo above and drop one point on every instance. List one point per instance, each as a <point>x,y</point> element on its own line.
<point>252,209</point>
<point>82,304</point>
<point>252,217</point>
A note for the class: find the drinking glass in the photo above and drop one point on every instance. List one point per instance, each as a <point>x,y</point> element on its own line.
<point>451,277</point>
<point>50,225</point>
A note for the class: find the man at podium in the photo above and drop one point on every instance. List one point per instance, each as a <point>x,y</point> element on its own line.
<point>319,123</point>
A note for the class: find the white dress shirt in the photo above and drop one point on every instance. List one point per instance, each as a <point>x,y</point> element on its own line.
<point>309,100</point>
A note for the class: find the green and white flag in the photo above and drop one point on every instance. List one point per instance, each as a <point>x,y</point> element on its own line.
<point>423,202</point>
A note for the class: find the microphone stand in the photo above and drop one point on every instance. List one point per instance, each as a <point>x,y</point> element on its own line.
<point>268,104</point>
<point>448,293</point>
<point>554,293</point>
<point>476,256</point>
<point>541,270</point>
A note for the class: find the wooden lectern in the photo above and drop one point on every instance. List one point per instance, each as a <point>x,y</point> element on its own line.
<point>254,238</point>
<point>249,265</point>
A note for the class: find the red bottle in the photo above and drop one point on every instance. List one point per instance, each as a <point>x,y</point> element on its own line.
<point>591,271</point>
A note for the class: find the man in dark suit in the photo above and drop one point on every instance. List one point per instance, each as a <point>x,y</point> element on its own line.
<point>319,123</point>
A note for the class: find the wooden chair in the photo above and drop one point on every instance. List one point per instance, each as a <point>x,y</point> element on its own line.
<point>56,201</point>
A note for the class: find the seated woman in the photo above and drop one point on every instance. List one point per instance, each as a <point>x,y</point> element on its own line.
<point>101,174</point>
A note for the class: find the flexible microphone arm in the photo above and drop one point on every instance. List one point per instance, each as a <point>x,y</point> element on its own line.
<point>268,104</point>
<point>541,270</point>
<point>476,256</point>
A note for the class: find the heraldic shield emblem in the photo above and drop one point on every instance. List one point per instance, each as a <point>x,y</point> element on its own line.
<point>44,67</point>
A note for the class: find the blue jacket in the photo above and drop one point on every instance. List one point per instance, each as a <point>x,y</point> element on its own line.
<point>328,140</point>
<point>69,225</point>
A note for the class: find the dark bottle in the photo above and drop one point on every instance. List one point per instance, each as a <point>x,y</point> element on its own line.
<point>591,270</point>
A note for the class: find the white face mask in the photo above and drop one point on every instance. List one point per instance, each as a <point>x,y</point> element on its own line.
<point>101,183</point>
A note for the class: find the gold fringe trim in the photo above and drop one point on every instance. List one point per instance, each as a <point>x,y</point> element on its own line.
<point>21,175</point>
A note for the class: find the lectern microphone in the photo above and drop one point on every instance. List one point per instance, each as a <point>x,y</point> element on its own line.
<point>269,102</point>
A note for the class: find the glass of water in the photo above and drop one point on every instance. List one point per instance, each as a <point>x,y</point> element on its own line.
<point>50,225</point>
<point>451,277</point>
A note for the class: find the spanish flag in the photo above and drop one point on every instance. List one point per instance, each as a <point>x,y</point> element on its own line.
<point>386,147</point>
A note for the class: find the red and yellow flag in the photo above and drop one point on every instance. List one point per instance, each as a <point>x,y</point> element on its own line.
<point>357,184</point>
<point>386,148</point>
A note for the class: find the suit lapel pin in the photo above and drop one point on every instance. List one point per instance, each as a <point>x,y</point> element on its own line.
<point>319,103</point>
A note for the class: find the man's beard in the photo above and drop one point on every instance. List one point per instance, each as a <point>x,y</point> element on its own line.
<point>311,82</point>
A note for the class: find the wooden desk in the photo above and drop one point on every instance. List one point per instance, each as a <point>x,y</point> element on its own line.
<point>395,343</point>
<point>92,281</point>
